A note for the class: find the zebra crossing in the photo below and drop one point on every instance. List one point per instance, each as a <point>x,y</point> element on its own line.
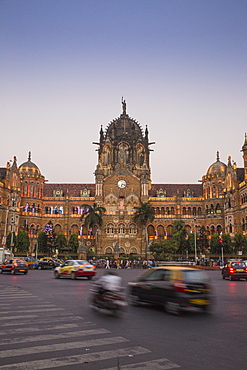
<point>39,335</point>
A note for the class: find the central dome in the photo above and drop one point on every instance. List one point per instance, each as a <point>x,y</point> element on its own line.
<point>124,127</point>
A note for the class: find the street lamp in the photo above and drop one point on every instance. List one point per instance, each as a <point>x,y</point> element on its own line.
<point>195,239</point>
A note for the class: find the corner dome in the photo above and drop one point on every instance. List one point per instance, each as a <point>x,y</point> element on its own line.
<point>29,168</point>
<point>218,168</point>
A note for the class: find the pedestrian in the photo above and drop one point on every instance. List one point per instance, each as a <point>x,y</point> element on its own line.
<point>107,264</point>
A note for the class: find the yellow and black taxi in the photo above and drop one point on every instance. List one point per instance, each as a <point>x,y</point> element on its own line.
<point>46,263</point>
<point>14,265</point>
<point>234,270</point>
<point>75,269</point>
<point>172,287</point>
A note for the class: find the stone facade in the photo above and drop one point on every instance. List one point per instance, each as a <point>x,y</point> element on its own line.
<point>122,180</point>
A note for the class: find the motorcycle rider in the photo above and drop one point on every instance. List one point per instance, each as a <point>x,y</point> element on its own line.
<point>109,282</point>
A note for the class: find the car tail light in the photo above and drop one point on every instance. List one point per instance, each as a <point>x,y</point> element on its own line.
<point>231,270</point>
<point>15,264</point>
<point>180,287</point>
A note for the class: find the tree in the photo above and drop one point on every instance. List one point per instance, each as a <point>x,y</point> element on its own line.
<point>202,240</point>
<point>143,215</point>
<point>60,242</point>
<point>239,243</point>
<point>42,242</point>
<point>22,242</point>
<point>215,246</point>
<point>227,243</point>
<point>51,238</point>
<point>163,250</point>
<point>73,243</point>
<point>180,237</point>
<point>11,239</point>
<point>93,218</point>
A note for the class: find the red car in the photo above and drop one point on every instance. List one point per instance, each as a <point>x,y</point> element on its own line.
<point>14,265</point>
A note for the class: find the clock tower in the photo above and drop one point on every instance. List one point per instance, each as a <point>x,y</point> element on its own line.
<point>123,179</point>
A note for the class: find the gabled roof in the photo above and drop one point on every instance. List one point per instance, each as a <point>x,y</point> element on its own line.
<point>73,190</point>
<point>172,190</point>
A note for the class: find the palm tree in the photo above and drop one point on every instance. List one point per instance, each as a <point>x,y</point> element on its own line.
<point>143,215</point>
<point>93,217</point>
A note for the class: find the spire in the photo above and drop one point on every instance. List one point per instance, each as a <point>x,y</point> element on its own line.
<point>245,139</point>
<point>101,134</point>
<point>29,156</point>
<point>217,156</point>
<point>146,132</point>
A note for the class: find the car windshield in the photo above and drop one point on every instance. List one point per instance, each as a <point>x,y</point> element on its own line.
<point>238,264</point>
<point>195,275</point>
<point>82,262</point>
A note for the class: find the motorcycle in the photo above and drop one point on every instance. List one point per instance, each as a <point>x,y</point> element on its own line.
<point>107,301</point>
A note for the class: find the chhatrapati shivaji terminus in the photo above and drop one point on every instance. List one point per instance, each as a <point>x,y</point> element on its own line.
<point>122,182</point>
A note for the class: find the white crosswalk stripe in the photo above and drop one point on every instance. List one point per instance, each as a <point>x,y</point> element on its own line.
<point>35,330</point>
<point>77,359</point>
<point>50,337</point>
<point>53,336</point>
<point>61,346</point>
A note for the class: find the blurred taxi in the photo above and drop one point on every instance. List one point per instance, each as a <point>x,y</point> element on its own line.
<point>234,270</point>
<point>75,269</point>
<point>172,287</point>
<point>14,265</point>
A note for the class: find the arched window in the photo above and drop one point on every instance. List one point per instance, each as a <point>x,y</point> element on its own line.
<point>74,229</point>
<point>151,231</point>
<point>121,228</point>
<point>132,229</point>
<point>57,229</point>
<point>110,229</point>
<point>218,209</point>
<point>184,211</point>
<point>47,210</point>
<point>169,232</point>
<point>161,232</point>
<point>108,250</point>
<point>219,229</point>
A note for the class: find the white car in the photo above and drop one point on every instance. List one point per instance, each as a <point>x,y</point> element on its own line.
<point>75,269</point>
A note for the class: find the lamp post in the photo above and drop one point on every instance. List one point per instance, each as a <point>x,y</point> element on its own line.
<point>195,239</point>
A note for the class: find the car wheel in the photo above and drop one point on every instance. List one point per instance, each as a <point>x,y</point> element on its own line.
<point>56,275</point>
<point>1,271</point>
<point>223,276</point>
<point>25,273</point>
<point>231,278</point>
<point>89,277</point>
<point>73,277</point>
<point>134,300</point>
<point>39,267</point>
<point>172,308</point>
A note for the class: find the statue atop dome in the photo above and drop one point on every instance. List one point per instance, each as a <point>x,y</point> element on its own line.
<point>124,106</point>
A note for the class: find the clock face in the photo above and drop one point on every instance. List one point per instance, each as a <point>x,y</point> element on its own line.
<point>121,184</point>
